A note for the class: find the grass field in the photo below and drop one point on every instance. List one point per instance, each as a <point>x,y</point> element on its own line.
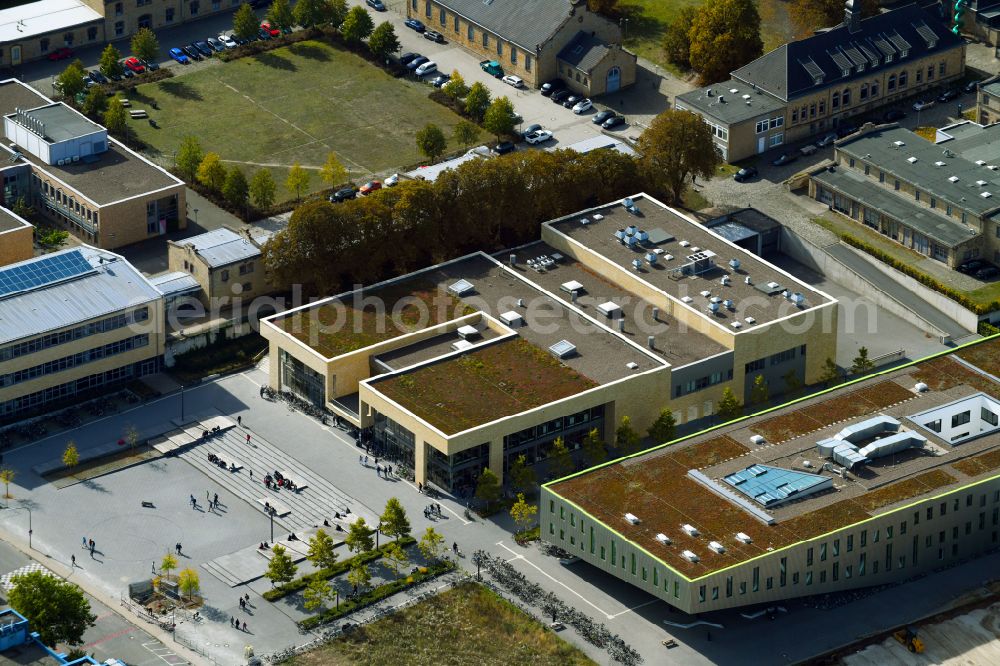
<point>465,625</point>
<point>296,103</point>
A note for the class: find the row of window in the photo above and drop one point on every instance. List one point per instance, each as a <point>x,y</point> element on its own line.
<point>775,359</point>
<point>770,123</point>
<point>62,337</point>
<point>549,429</point>
<point>67,362</point>
<point>470,35</point>
<point>702,383</point>
<point>70,203</point>
<point>932,202</point>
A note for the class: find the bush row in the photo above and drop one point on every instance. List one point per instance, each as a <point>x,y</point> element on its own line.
<point>261,45</point>
<point>337,569</point>
<point>923,278</point>
<point>986,329</point>
<point>149,76</point>
<point>377,594</point>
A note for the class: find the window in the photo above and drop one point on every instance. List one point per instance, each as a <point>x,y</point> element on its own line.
<point>527,63</point>
<point>91,34</point>
<point>989,417</point>
<point>43,44</point>
<point>809,578</point>
<point>777,122</point>
<point>715,593</point>
<point>902,79</point>
<point>861,564</point>
<point>413,4</point>
<point>902,528</point>
<point>119,9</point>
<point>960,419</point>
<point>169,15</point>
<point>427,8</point>
<point>942,68</point>
<point>499,48</point>
<point>845,97</point>
<point>892,82</point>
<point>193,8</point>
<point>777,140</point>
<point>835,103</point>
<point>864,538</point>
<point>930,72</point>
<point>513,56</point>
<point>864,91</point>
<point>762,126</point>
<point>743,587</point>
<point>812,110</point>
<point>470,33</point>
<point>895,185</point>
<point>486,39</point>
<point>920,75</point>
<point>68,38</point>
<point>822,552</point>
<point>822,108</point>
<point>769,583</point>
<point>729,586</point>
<point>836,547</point>
<point>916,194</point>
<point>874,92</point>
<point>881,176</point>
<point>701,593</point>
<point>795,115</point>
<point>442,17</point>
<point>809,559</point>
<point>756,579</point>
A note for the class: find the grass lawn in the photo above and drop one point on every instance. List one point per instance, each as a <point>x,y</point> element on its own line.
<point>465,625</point>
<point>296,103</point>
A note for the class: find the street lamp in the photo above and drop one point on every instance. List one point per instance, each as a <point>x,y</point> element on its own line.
<point>30,530</point>
<point>182,404</point>
<point>196,216</point>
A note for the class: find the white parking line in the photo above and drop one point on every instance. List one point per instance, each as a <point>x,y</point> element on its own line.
<point>163,652</point>
<point>519,556</point>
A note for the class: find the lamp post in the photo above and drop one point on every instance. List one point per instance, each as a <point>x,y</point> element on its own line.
<point>378,529</point>
<point>196,216</point>
<point>271,516</point>
<point>30,530</point>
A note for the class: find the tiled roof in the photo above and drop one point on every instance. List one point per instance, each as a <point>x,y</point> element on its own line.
<point>527,23</point>
<point>584,52</point>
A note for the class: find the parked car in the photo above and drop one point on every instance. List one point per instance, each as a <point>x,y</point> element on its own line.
<point>987,273</point>
<point>215,44</point>
<point>827,140</point>
<point>512,80</point>
<point>786,158</point>
<point>179,55</point>
<point>601,116</point>
<point>538,136</point>
<point>369,187</point>
<point>271,30</point>
<point>97,77</point>
<point>203,48</point>
<point>529,129</point>
<point>408,57</point>
<point>133,65</point>
<point>377,5</point>
<point>192,52</point>
<point>125,73</point>
<point>613,122</point>
<point>560,96</point>
<point>263,35</point>
<point>151,66</point>
<point>571,101</point>
<point>948,95</point>
<point>434,36</point>
<point>745,174</point>
<point>414,24</point>
<point>582,106</point>
<point>228,41</point>
<point>550,87</point>
<point>491,67</point>
<point>392,180</point>
<point>504,147</point>
<point>417,62</point>
<point>971,266</point>
<point>892,115</point>
<point>808,149</point>
<point>920,105</point>
<point>426,68</point>
<point>440,80</point>
<point>343,195</point>
<point>971,87</point>
<point>61,53</point>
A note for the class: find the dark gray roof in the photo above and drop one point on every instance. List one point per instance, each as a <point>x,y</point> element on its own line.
<point>942,230</point>
<point>733,109</point>
<point>584,52</point>
<point>792,69</point>
<point>975,142</point>
<point>527,23</point>
<point>924,172</point>
<point>751,218</point>
<point>9,221</point>
<point>62,123</point>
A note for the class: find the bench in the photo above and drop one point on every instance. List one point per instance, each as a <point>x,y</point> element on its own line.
<point>279,508</point>
<point>138,113</point>
<point>300,483</point>
<point>126,103</point>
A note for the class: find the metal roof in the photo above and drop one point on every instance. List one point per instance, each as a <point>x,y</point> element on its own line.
<point>602,141</point>
<point>432,171</point>
<point>175,284</point>
<point>62,123</point>
<point>584,51</point>
<point>221,247</point>
<point>770,486</point>
<point>733,109</point>
<point>38,18</point>
<point>527,23</point>
<point>114,286</point>
<point>43,271</point>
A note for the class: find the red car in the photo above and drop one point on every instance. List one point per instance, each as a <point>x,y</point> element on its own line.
<point>61,54</point>
<point>370,187</point>
<point>135,65</point>
<point>274,32</point>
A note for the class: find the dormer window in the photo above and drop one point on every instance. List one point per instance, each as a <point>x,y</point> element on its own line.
<point>888,58</point>
<point>861,68</point>
<point>845,72</point>
<point>903,54</point>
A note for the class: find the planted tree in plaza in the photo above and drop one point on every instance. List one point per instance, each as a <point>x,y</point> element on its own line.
<point>70,456</point>
<point>317,594</point>
<point>729,407</point>
<point>189,582</point>
<point>395,524</point>
<point>115,117</point>
<point>245,22</point>
<point>235,188</point>
<point>95,103</point>
<point>131,436</point>
<point>523,513</point>
<point>280,15</point>
<point>521,476</point>
<point>297,181</point>
<point>560,459</point>
<point>792,381</point>
<point>383,41</point>
<point>308,13</point>
<point>334,12</point>
<point>322,551</point>
<point>72,80</point>
<point>212,172</point>
<point>724,35</point>
<point>262,189</point>
<point>7,477</point>
<point>359,537</point>
<point>359,576</point>
<point>432,545</point>
<point>110,64</point>
<point>594,452</point>
<point>626,438</point>
<point>145,46</point>
<point>663,428</point>
<point>831,372</point>
<point>759,392</point>
<point>189,157</point>
<point>861,363</point>
<point>488,488</point>
<point>395,558</point>
<point>676,146</point>
<point>58,610</point>
<point>455,88</point>
<point>499,117</point>
<point>431,141</point>
<point>333,172</point>
<point>168,564</point>
<point>280,569</point>
<point>676,38</point>
<point>477,101</point>
<point>357,25</point>
<point>466,133</point>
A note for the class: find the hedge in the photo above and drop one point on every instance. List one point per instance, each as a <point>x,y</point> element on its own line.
<point>337,569</point>
<point>377,594</point>
<point>986,329</point>
<point>921,277</point>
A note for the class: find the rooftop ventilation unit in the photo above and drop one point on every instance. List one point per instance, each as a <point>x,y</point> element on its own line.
<point>734,264</point>
<point>898,144</point>
<point>512,319</point>
<point>724,281</point>
<point>953,179</point>
<point>706,293</point>
<point>631,240</point>
<point>642,236</point>
<point>985,195</point>
<point>980,183</point>
<point>637,264</point>
<point>651,258</point>
<point>689,530</point>
<point>597,217</point>
<point>689,556</point>
<point>686,299</point>
<point>585,221</point>
<point>798,299</point>
<point>461,288</point>
<point>632,365</point>
<point>700,262</point>
<point>757,439</point>
<point>713,308</point>
<point>620,234</point>
<point>461,345</point>
<point>667,256</point>
<point>980,162</point>
<point>743,538</point>
<point>911,160</point>
<point>630,230</point>
<point>920,387</point>
<point>717,547</point>
<point>610,309</point>
<point>571,286</point>
<point>746,97</point>
<point>733,91</point>
<point>563,349</point>
<point>939,163</point>
<point>750,320</point>
<point>663,538</point>
<point>467,331</point>
<point>715,299</point>
<point>632,518</point>
<point>992,167</point>
<point>736,324</point>
<point>730,304</point>
<point>685,243</point>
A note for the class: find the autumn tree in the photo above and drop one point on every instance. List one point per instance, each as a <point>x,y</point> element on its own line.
<point>432,545</point>
<point>189,582</point>
<point>724,36</point>
<point>521,476</point>
<point>676,38</point>
<point>810,15</point>
<point>357,25</point>
<point>145,45</point>
<point>189,157</point>
<point>131,436</point>
<point>262,189</point>
<point>663,428</point>
<point>431,141</point>
<point>211,172</point>
<point>758,391</point>
<point>499,117</point>
<point>359,576</point>
<point>110,63</point>
<point>466,133</point>
<point>115,117</point>
<point>676,146</point>
<point>168,564</point>
<point>71,456</point>
<point>593,448</point>
<point>297,181</point>
<point>477,100</point>
<point>455,88</point>
<point>317,593</point>
<point>395,558</point>
<point>72,80</point>
<point>235,188</point>
<point>333,172</point>
<point>626,438</point>
<point>522,512</point>
<point>359,537</point>
<point>729,406</point>
<point>383,41</point>
<point>280,15</point>
<point>7,477</point>
<point>560,459</point>
<point>394,523</point>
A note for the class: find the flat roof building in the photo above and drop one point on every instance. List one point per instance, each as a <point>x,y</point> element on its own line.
<point>16,237</point>
<point>866,484</point>
<point>73,321</point>
<point>224,263</point>
<point>467,363</point>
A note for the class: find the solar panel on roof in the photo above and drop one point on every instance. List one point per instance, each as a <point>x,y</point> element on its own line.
<point>43,271</point>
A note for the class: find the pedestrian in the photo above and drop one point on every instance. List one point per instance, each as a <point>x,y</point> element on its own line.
<point>246,598</point>
<point>92,547</point>
<point>366,461</point>
<point>239,420</point>
<point>194,502</point>
<point>251,475</point>
<point>439,509</point>
<point>420,487</point>
<point>248,438</point>
<point>178,547</point>
<point>232,620</point>
<point>262,391</point>
<point>244,625</point>
<point>376,462</point>
<point>390,470</point>
<point>242,604</point>
<point>208,497</point>
<point>84,543</point>
<point>215,498</point>
<point>359,459</point>
<point>72,559</point>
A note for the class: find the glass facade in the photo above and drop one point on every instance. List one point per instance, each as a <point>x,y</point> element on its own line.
<point>301,380</point>
<point>535,442</point>
<point>392,440</point>
<point>460,471</point>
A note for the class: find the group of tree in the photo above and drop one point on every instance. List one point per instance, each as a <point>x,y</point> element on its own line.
<point>496,116</point>
<point>194,164</point>
<point>57,609</point>
<point>810,15</point>
<point>715,38</point>
<point>355,23</point>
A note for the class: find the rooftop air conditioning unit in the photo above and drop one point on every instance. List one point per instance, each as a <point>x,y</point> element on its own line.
<point>757,439</point>
<point>953,179</point>
<point>717,547</point>
<point>597,217</point>
<point>744,538</point>
<point>911,160</point>
<point>736,324</point>
<point>706,293</point>
<point>734,264</point>
<point>689,556</point>
<point>76,158</point>
<point>686,299</point>
<point>898,144</point>
<point>663,538</point>
<point>939,163</point>
<point>920,387</point>
<point>685,243</point>
<point>985,195</point>
<point>690,530</point>
<point>980,162</point>
<point>750,320</point>
<point>632,518</point>
<point>632,365</point>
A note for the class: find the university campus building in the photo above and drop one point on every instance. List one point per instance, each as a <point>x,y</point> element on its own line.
<point>70,171</point>
<point>813,85</point>
<point>73,321</point>
<point>620,310</point>
<point>537,40</point>
<point>871,483</point>
<point>222,263</point>
<point>941,198</point>
<point>16,237</point>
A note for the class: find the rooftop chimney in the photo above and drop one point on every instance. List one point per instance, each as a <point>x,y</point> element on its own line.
<point>852,16</point>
